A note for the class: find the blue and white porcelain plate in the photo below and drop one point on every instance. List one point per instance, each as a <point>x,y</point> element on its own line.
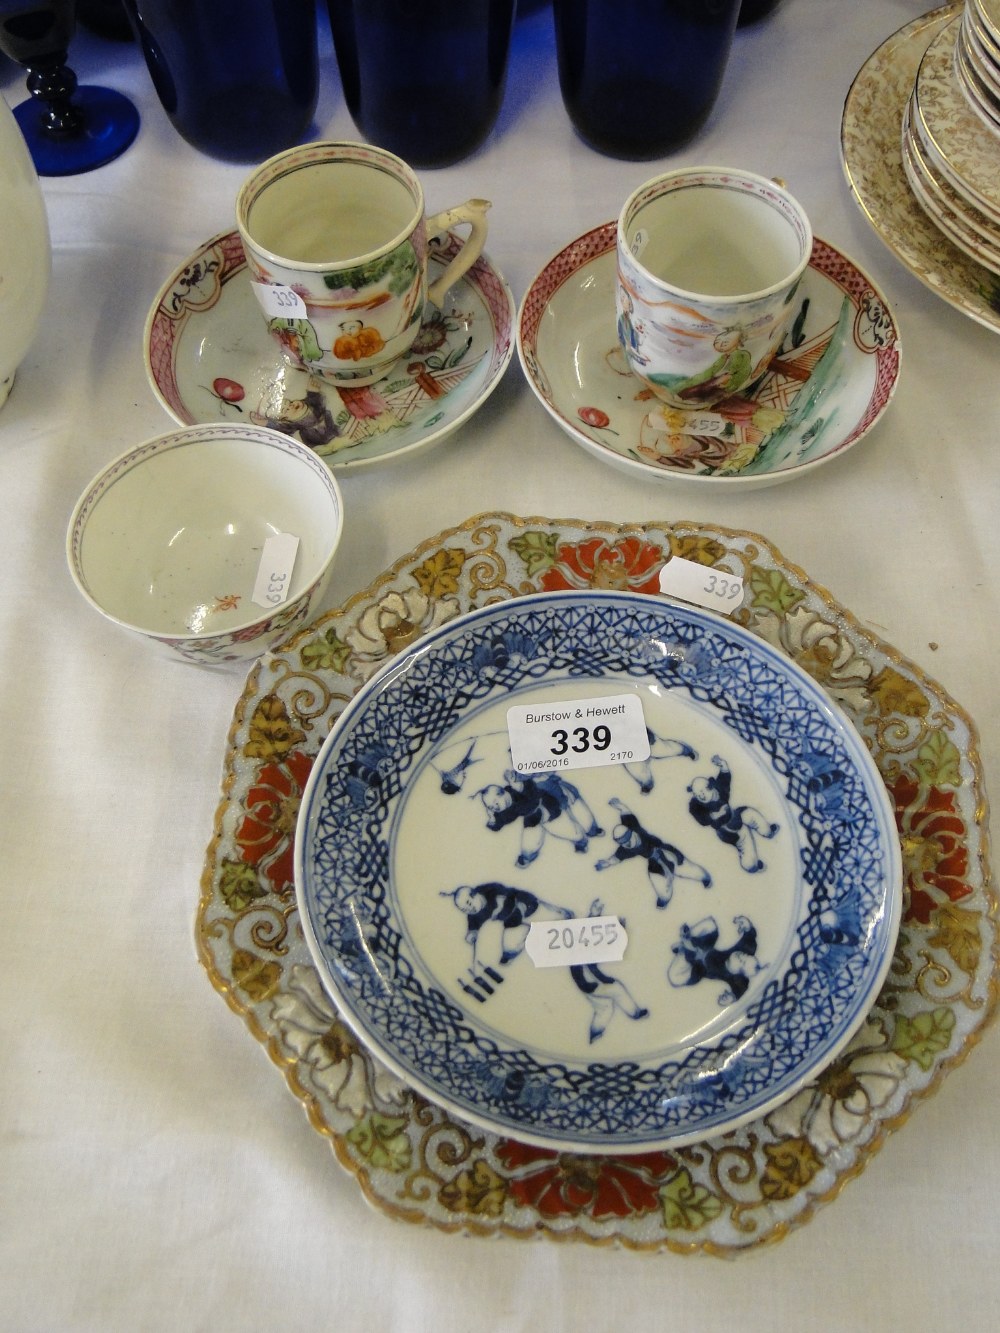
<point>752,860</point>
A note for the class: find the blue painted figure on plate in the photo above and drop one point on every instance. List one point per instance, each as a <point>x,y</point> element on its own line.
<point>664,861</point>
<point>607,995</point>
<point>509,907</point>
<point>738,826</point>
<point>537,804</point>
<point>697,957</point>
<point>453,777</point>
<point>660,747</point>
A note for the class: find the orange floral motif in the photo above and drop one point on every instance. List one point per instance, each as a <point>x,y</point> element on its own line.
<point>630,563</point>
<point>933,839</point>
<point>568,1184</point>
<point>266,835</point>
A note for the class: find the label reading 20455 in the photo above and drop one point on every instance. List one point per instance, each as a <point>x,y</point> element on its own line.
<point>580,733</point>
<point>576,941</point>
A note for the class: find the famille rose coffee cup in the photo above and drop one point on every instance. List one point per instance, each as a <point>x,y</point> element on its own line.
<point>709,263</point>
<point>336,242</point>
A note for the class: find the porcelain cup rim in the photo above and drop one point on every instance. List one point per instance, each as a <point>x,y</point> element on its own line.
<point>719,174</point>
<point>254,186</point>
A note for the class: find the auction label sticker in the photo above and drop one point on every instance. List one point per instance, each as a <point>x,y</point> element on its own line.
<point>278,301</point>
<point>576,941</point>
<point>715,589</point>
<point>583,733</point>
<point>274,573</point>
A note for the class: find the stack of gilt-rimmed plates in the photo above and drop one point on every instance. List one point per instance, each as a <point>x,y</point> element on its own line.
<point>977,59</point>
<point>951,132</point>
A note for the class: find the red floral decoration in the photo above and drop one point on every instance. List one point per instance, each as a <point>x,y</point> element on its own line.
<point>630,563</point>
<point>933,839</point>
<point>593,416</point>
<point>266,835</point>
<point>568,1184</point>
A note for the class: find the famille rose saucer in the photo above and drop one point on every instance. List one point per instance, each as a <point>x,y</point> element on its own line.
<point>545,770</point>
<point>209,357</point>
<point>832,379</point>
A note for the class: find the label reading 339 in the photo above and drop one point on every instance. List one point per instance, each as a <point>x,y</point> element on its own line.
<point>278,301</point>
<point>581,733</point>
<point>716,589</point>
<point>274,573</point>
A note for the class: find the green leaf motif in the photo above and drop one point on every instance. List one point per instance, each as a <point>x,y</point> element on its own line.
<point>924,1036</point>
<point>328,653</point>
<point>687,1206</point>
<point>772,591</point>
<point>380,1140</point>
<point>399,268</point>
<point>239,885</point>
<point>938,761</point>
<point>537,550</point>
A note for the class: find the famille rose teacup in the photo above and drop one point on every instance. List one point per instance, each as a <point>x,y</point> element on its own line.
<point>336,243</point>
<point>709,261</point>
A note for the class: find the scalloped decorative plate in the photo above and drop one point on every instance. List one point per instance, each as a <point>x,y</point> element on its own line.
<point>418,1161</point>
<point>210,358</point>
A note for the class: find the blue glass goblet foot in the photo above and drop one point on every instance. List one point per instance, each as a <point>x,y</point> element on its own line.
<point>68,129</point>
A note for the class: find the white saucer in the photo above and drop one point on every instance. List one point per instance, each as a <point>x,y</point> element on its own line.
<point>832,380</point>
<point>210,358</point>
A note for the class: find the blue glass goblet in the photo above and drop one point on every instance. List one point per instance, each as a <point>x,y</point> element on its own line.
<point>68,129</point>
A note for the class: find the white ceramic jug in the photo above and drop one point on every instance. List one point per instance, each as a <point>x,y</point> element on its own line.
<point>25,250</point>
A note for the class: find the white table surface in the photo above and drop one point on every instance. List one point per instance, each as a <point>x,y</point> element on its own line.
<point>155,1171</point>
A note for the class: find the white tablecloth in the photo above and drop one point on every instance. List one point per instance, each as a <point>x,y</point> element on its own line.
<point>155,1172</point>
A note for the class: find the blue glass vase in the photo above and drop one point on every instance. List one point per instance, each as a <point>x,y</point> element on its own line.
<point>639,77</point>
<point>424,80</point>
<point>752,10</point>
<point>239,79</point>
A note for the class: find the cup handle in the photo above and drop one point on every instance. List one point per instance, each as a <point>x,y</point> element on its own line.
<point>474,212</point>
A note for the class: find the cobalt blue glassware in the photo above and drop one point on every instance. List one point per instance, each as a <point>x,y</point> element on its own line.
<point>423,80</point>
<point>752,10</point>
<point>238,78</point>
<point>639,77</point>
<point>105,17</point>
<point>68,129</point>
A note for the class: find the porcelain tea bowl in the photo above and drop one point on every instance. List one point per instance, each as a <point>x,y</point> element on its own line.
<point>189,540</point>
